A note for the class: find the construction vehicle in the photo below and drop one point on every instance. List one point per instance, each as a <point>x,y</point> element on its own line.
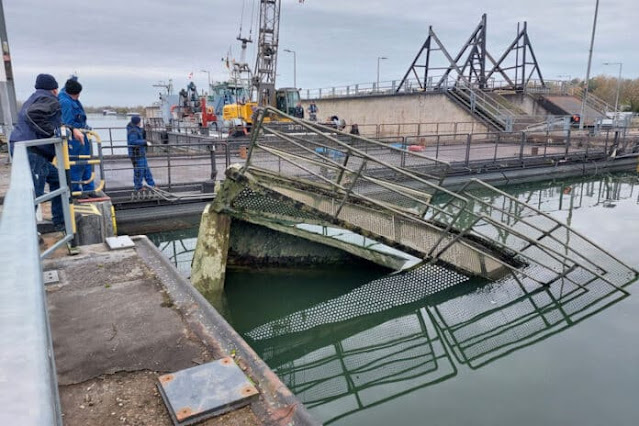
<point>186,110</point>
<point>191,106</point>
<point>262,78</point>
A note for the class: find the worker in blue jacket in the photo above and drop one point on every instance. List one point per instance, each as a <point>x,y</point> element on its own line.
<point>40,118</point>
<point>136,144</point>
<point>73,116</point>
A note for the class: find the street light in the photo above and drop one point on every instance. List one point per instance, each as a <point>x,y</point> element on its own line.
<point>379,58</point>
<point>208,73</point>
<point>592,44</point>
<point>618,83</point>
<point>294,66</point>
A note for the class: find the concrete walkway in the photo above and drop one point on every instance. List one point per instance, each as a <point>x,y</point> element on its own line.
<point>120,319</point>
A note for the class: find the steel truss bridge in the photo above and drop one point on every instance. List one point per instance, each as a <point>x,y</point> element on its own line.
<point>300,174</point>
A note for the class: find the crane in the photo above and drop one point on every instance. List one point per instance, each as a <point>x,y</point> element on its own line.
<point>267,44</point>
<point>263,80</point>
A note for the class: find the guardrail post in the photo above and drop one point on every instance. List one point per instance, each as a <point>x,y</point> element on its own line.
<point>567,142</point>
<point>356,89</point>
<point>521,146</point>
<point>213,162</point>
<point>468,140</point>
<point>404,148</point>
<point>320,93</point>
<point>348,90</point>
<point>168,164</point>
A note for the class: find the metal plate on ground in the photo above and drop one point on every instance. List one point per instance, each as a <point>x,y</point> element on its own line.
<point>50,277</point>
<point>121,242</point>
<point>205,391</point>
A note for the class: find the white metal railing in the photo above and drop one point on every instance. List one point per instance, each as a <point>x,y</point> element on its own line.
<point>413,85</point>
<point>28,384</point>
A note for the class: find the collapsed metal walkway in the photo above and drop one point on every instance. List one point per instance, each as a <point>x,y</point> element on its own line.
<point>302,173</point>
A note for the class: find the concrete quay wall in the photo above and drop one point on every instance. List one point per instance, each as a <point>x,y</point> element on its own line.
<point>401,108</point>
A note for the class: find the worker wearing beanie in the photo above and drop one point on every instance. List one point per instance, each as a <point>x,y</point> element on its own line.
<point>40,118</point>
<point>73,115</point>
<point>137,153</point>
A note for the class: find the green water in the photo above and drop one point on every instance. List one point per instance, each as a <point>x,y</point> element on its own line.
<point>359,348</point>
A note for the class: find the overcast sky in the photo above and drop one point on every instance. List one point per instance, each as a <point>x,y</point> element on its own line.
<point>120,48</point>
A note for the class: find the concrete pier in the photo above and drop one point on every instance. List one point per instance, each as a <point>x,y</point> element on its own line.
<point>122,318</point>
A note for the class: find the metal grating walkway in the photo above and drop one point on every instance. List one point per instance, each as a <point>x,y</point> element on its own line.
<point>304,172</point>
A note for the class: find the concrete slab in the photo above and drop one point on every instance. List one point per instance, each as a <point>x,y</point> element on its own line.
<point>120,319</point>
<point>119,242</point>
<point>104,321</point>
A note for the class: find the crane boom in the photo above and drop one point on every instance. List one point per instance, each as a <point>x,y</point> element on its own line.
<point>267,45</point>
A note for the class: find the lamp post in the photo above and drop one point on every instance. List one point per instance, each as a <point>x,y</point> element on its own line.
<point>208,73</point>
<point>618,83</point>
<point>379,59</point>
<point>294,66</point>
<point>592,43</point>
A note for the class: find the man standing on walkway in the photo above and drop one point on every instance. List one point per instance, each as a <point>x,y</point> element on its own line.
<point>312,111</point>
<point>137,153</point>
<point>40,118</point>
<point>74,117</point>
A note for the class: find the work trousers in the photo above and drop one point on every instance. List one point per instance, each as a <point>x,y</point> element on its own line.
<point>141,172</point>
<point>43,172</point>
<point>82,172</point>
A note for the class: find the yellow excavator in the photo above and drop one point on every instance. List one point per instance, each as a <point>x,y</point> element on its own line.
<point>263,80</point>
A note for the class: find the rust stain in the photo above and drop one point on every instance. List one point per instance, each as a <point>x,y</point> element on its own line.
<point>226,361</point>
<point>284,415</point>
<point>166,378</point>
<point>248,390</point>
<point>183,413</point>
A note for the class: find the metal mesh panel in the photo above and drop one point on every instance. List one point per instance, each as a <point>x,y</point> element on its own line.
<point>395,290</point>
<point>506,316</point>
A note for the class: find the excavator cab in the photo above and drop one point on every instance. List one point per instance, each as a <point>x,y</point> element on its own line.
<point>287,99</point>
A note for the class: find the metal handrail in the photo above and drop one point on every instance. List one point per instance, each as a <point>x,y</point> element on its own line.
<point>543,257</point>
<point>28,383</point>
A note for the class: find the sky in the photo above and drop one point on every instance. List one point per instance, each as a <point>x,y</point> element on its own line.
<point>121,48</point>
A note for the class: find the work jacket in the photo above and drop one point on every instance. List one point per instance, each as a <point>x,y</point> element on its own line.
<point>73,114</point>
<point>39,118</point>
<point>135,141</point>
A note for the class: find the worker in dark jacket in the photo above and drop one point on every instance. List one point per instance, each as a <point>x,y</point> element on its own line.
<point>137,144</point>
<point>40,118</point>
<point>74,117</point>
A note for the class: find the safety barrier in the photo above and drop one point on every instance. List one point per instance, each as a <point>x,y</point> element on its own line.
<point>80,160</point>
<point>28,384</point>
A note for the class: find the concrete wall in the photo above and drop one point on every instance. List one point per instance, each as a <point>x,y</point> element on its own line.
<point>526,103</point>
<point>403,108</point>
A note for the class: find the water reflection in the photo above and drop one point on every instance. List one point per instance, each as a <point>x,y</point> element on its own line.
<point>367,342</point>
<point>178,247</point>
<point>400,333</point>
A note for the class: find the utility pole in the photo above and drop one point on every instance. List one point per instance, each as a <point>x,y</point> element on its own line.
<point>208,73</point>
<point>7,87</point>
<point>618,84</point>
<point>379,58</point>
<point>294,66</point>
<point>592,44</point>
